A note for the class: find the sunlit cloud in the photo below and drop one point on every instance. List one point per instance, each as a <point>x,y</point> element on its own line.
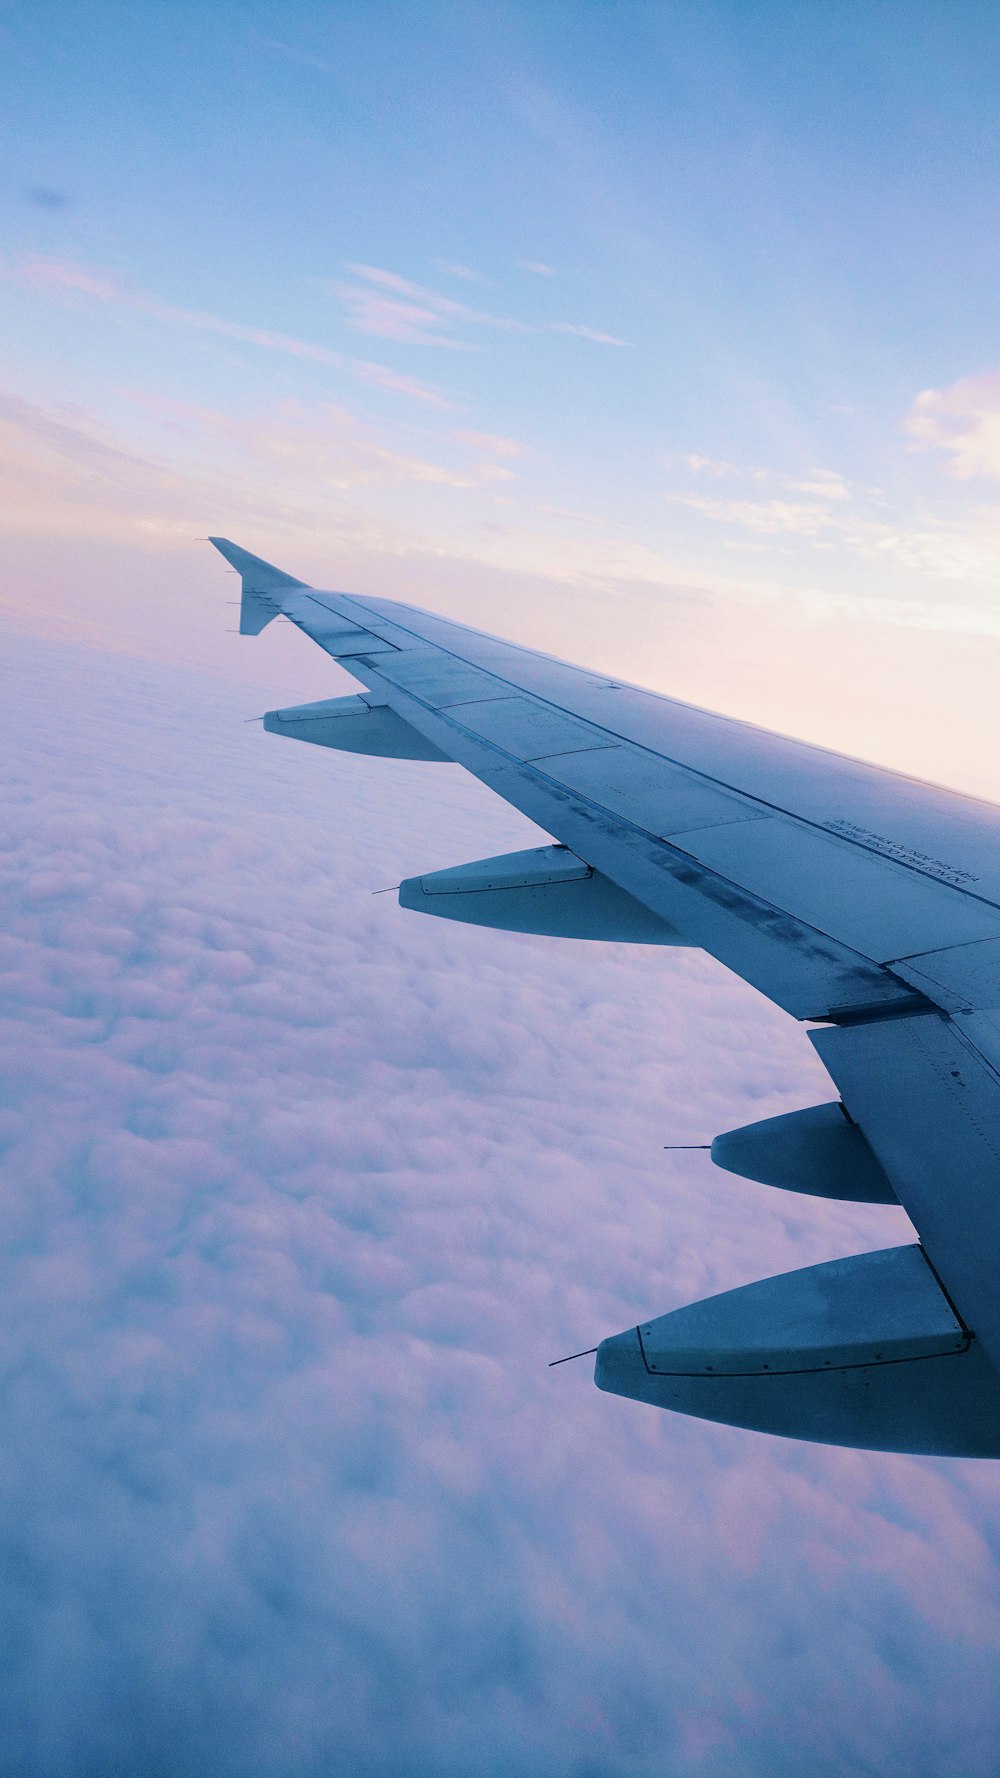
<point>963,420</point>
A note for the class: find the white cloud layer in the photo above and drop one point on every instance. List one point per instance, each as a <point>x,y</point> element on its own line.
<point>301,1194</point>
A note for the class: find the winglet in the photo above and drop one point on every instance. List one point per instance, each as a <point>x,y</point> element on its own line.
<point>262,585</point>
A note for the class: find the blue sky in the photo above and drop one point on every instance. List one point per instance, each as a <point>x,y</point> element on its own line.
<point>620,296</point>
<point>662,337</point>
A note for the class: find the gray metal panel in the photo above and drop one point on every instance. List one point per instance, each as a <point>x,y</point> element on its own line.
<point>337,634</point>
<point>929,1106</point>
<point>659,797</point>
<point>439,680</point>
<point>876,907</point>
<point>962,978</point>
<point>525,728</point>
<point>348,607</point>
<point>982,1030</point>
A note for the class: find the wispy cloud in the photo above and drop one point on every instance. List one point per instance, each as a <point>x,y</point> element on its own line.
<point>772,517</point>
<point>586,333</point>
<point>64,277</point>
<point>391,318</point>
<point>380,302</point>
<point>490,441</point>
<point>827,483</point>
<point>964,421</point>
<point>465,272</point>
<point>383,303</point>
<point>379,376</point>
<point>536,265</point>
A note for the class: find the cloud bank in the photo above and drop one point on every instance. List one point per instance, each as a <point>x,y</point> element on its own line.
<point>301,1194</point>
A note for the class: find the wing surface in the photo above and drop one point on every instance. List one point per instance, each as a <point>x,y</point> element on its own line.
<point>851,896</point>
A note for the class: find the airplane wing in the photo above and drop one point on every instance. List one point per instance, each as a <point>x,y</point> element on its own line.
<point>862,902</point>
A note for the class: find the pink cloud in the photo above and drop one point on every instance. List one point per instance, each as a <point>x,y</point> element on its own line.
<point>963,420</point>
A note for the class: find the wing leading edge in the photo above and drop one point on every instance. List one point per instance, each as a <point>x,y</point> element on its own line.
<point>855,898</point>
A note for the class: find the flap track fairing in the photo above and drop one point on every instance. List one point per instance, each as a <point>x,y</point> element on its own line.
<point>817,1150</point>
<point>864,1351</point>
<point>548,891</point>
<point>353,725</point>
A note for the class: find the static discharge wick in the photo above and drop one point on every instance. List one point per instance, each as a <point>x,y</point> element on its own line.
<point>570,1356</point>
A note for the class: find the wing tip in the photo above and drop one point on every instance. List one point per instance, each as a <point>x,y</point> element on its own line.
<point>257,574</point>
